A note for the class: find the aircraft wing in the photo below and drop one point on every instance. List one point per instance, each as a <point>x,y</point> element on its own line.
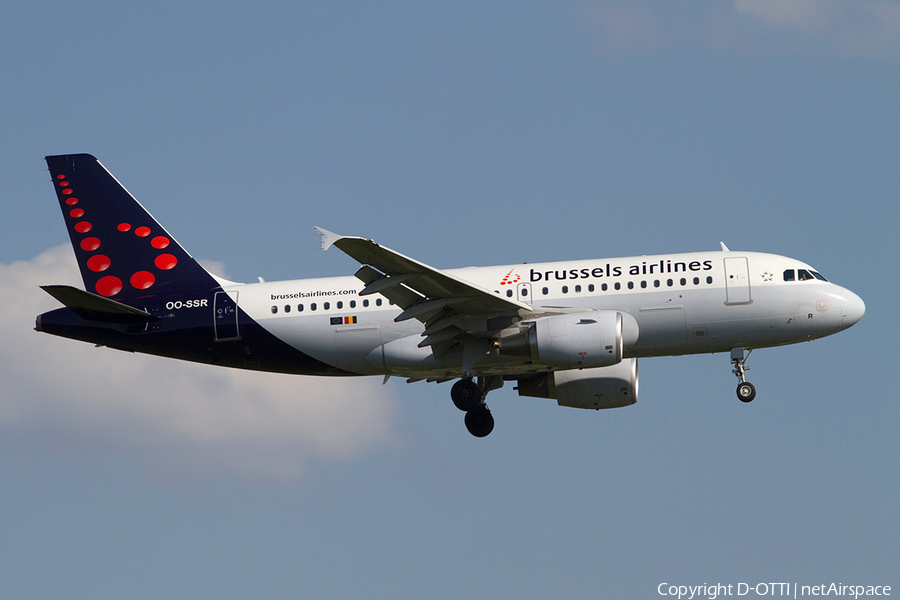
<point>447,305</point>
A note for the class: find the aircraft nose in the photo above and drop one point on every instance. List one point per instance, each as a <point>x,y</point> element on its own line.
<point>852,309</point>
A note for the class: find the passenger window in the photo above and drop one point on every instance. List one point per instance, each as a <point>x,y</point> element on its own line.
<point>804,275</point>
<point>312,306</point>
<point>524,291</point>
<point>644,284</point>
<point>299,308</point>
<point>509,293</point>
<point>591,287</point>
<point>377,301</point>
<point>696,281</point>
<point>630,285</point>
<point>789,275</point>
<point>366,303</point>
<point>353,304</point>
<point>274,310</point>
<point>545,291</point>
<point>565,289</point>
<point>709,280</point>
<point>604,287</point>
<point>683,281</point>
<point>340,305</point>
<point>670,283</point>
<point>618,286</point>
<point>577,289</point>
<point>326,305</point>
<point>287,308</point>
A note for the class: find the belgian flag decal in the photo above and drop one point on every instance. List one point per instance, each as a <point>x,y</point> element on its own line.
<point>343,320</point>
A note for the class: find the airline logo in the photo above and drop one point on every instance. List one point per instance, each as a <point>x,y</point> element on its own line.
<point>511,278</point>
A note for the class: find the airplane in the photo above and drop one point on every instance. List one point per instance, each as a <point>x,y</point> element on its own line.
<point>571,331</point>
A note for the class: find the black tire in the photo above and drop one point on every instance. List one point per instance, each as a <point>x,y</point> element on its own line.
<point>479,421</point>
<point>465,394</point>
<point>746,392</point>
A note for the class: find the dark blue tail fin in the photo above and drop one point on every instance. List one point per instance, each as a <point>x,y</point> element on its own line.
<point>123,253</point>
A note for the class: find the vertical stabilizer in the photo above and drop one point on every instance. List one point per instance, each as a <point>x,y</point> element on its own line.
<point>121,250</point>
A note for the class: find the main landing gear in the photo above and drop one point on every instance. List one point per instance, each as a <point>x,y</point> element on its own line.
<point>745,390</point>
<point>468,396</point>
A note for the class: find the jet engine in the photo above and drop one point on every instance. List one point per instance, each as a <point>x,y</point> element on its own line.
<point>579,340</point>
<point>600,387</point>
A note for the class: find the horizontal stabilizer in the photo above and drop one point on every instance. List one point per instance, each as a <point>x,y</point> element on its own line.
<point>96,308</point>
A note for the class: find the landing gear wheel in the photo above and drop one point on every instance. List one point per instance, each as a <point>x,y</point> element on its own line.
<point>746,392</point>
<point>479,421</point>
<point>466,395</point>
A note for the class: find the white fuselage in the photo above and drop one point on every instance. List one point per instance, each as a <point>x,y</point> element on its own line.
<point>682,303</point>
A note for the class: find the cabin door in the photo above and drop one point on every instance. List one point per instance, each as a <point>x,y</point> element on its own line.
<point>225,317</point>
<point>737,280</point>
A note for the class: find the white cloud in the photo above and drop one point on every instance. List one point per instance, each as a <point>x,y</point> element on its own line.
<point>803,15</point>
<point>846,27</point>
<point>853,28</point>
<point>621,27</point>
<point>180,420</point>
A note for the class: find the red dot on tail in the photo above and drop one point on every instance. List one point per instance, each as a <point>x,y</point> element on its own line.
<point>142,280</point>
<point>76,212</point>
<point>67,191</point>
<point>108,286</point>
<point>60,176</point>
<point>63,184</point>
<point>98,263</point>
<point>159,242</point>
<point>82,227</point>
<point>165,262</point>
<point>72,201</point>
<point>142,231</point>
<point>124,227</point>
<point>90,244</point>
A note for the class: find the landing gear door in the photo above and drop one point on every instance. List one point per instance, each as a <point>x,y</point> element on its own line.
<point>225,317</point>
<point>737,280</point>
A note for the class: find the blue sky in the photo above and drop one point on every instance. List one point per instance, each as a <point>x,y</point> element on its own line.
<point>460,134</point>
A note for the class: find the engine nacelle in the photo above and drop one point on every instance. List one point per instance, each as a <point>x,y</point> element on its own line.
<point>600,387</point>
<point>580,340</point>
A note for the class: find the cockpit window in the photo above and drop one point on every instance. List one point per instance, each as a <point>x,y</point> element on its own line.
<point>802,275</point>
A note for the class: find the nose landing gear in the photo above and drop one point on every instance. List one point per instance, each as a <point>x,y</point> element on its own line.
<point>745,390</point>
<point>468,397</point>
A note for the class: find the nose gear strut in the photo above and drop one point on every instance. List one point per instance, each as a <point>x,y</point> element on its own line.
<point>745,390</point>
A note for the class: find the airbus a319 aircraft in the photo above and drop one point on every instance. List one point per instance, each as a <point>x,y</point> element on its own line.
<point>571,331</point>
